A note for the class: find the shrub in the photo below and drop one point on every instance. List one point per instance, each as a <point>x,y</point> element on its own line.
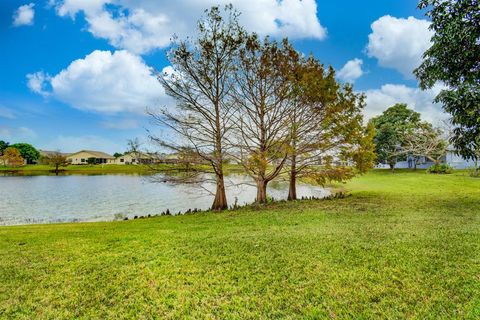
<point>440,168</point>
<point>474,172</point>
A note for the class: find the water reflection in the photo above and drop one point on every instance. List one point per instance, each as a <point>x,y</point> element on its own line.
<point>45,199</point>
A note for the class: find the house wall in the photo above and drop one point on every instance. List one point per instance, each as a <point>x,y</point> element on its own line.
<point>132,158</point>
<point>125,159</point>
<point>457,162</point>
<point>82,158</point>
<point>422,163</point>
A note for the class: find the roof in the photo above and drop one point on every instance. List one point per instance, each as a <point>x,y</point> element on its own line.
<point>138,154</point>
<point>47,153</point>
<point>95,154</point>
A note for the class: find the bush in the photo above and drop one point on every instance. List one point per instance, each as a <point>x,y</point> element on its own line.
<point>474,172</point>
<point>442,168</point>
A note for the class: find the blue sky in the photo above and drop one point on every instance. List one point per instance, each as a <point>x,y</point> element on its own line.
<point>75,74</point>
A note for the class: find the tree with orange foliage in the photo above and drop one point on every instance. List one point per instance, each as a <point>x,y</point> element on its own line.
<point>11,156</point>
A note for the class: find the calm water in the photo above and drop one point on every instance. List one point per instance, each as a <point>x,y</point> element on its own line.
<point>46,199</point>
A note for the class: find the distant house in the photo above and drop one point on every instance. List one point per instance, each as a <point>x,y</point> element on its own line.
<point>456,161</point>
<point>450,158</point>
<point>171,158</point>
<point>135,158</point>
<point>97,157</point>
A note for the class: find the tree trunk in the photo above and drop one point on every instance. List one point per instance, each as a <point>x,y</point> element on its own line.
<point>261,191</point>
<point>392,166</point>
<point>220,201</point>
<point>292,189</point>
<point>56,170</point>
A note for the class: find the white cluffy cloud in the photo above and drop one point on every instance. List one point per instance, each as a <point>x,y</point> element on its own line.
<point>378,100</point>
<point>103,82</point>
<point>399,43</point>
<point>351,71</point>
<point>24,15</point>
<point>37,82</point>
<point>144,25</point>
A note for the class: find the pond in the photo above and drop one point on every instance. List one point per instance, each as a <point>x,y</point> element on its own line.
<point>74,198</point>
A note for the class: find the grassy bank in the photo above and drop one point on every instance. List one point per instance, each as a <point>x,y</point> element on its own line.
<point>404,245</point>
<point>39,169</point>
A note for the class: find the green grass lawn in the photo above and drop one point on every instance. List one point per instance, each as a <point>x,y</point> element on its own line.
<point>39,169</point>
<point>106,168</point>
<point>403,245</point>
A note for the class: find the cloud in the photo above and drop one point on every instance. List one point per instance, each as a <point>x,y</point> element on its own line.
<point>37,82</point>
<point>24,15</point>
<point>378,100</point>
<point>145,25</point>
<point>77,143</point>
<point>399,43</point>
<point>351,71</point>
<point>104,82</point>
<point>7,113</point>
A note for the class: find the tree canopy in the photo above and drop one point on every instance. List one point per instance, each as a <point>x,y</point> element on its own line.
<point>454,60</point>
<point>12,157</point>
<point>27,151</point>
<point>391,128</point>
<point>3,145</point>
<point>260,102</point>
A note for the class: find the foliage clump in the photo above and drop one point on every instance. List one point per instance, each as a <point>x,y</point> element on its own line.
<point>12,157</point>
<point>440,168</point>
<point>454,60</point>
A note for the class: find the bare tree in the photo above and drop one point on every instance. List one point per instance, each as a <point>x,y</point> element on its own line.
<point>133,147</point>
<point>425,141</point>
<point>261,95</point>
<point>202,78</point>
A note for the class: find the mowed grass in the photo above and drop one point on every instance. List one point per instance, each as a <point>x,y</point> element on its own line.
<point>403,245</point>
<point>40,169</point>
<point>33,169</point>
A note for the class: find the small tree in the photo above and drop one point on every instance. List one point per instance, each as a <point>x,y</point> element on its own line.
<point>133,147</point>
<point>92,160</point>
<point>57,160</point>
<point>12,157</point>
<point>27,151</point>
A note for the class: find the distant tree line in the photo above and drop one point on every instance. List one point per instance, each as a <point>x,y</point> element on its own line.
<point>15,155</point>
<point>18,153</point>
<point>260,103</point>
